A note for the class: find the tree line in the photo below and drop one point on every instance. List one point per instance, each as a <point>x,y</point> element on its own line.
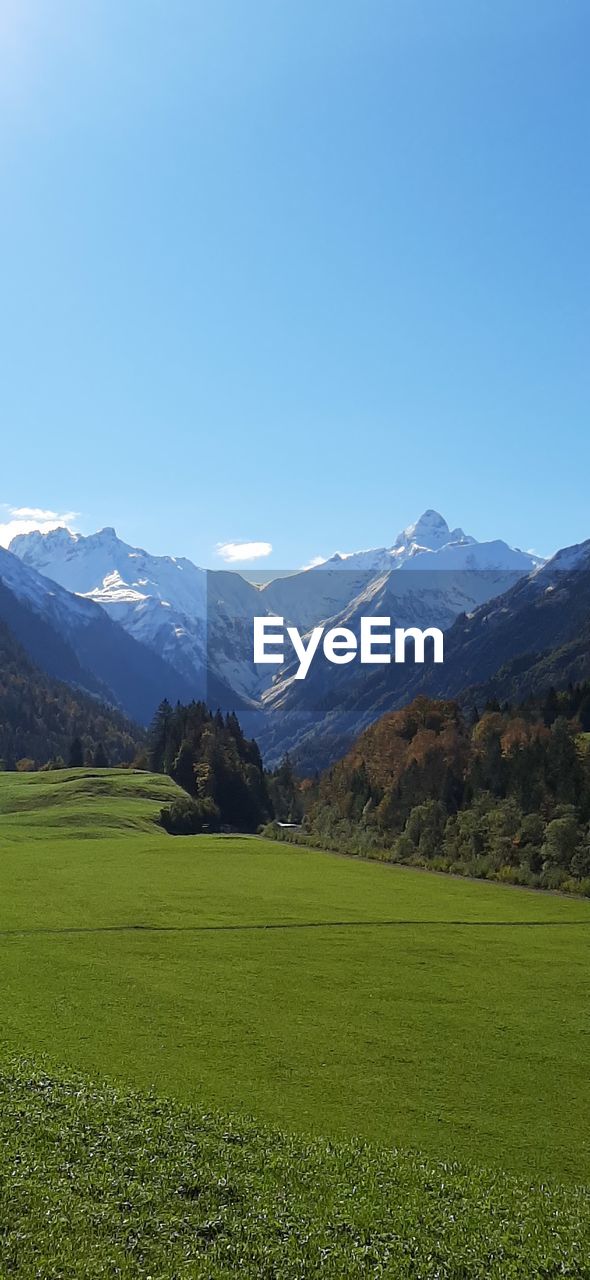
<point>503,793</point>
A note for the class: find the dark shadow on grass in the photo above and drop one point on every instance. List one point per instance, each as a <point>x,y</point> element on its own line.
<point>43,930</point>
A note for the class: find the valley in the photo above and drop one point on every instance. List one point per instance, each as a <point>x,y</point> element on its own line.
<point>294,766</point>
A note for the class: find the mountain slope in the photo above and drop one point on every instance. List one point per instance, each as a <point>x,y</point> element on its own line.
<point>517,645</point>
<point>39,716</point>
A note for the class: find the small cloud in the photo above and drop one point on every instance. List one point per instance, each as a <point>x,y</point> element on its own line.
<point>26,519</point>
<point>34,513</point>
<point>234,552</point>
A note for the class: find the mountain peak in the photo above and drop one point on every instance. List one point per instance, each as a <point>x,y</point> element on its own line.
<point>430,531</point>
<point>61,536</point>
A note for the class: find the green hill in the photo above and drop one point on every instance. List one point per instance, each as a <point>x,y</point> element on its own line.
<point>82,803</point>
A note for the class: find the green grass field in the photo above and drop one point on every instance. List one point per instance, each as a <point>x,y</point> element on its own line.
<point>102,1182</point>
<point>320,993</point>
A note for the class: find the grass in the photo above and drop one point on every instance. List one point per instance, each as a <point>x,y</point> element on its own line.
<point>318,993</point>
<point>92,803</point>
<point>102,1182</point>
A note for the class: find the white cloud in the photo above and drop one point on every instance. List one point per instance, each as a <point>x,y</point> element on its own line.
<point>234,552</point>
<point>25,519</point>
<point>314,562</point>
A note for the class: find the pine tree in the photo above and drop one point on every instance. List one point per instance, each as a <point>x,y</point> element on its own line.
<point>183,769</point>
<point>158,736</point>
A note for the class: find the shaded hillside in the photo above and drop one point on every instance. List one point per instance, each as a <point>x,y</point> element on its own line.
<point>40,716</point>
<point>535,635</point>
<point>529,674</point>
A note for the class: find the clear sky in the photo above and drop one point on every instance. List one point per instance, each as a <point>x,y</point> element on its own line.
<point>290,271</point>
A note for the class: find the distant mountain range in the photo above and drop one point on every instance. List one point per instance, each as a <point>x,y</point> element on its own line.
<point>134,628</point>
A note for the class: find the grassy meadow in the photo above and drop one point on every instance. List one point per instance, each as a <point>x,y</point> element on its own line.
<point>97,1181</point>
<point>335,1001</point>
<point>321,992</point>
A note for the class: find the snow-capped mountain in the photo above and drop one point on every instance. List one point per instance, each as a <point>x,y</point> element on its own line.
<point>160,600</point>
<point>101,565</point>
<point>427,577</point>
<point>431,531</point>
<point>72,639</point>
<point>200,622</point>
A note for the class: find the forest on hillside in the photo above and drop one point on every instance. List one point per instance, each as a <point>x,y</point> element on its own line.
<point>46,723</point>
<point>504,794</point>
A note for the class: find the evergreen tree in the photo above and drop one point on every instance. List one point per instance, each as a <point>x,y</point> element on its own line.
<point>563,762</point>
<point>157,736</point>
<point>183,769</point>
<point>209,757</point>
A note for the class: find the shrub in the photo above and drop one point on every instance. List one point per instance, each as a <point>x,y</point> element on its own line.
<point>188,817</point>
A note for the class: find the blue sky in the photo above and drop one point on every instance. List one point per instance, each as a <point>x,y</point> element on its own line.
<point>290,272</point>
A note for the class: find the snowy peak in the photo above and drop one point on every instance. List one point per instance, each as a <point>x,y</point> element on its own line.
<point>568,558</point>
<point>106,568</point>
<point>60,537</point>
<point>431,531</point>
<point>430,543</point>
<point>42,593</point>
